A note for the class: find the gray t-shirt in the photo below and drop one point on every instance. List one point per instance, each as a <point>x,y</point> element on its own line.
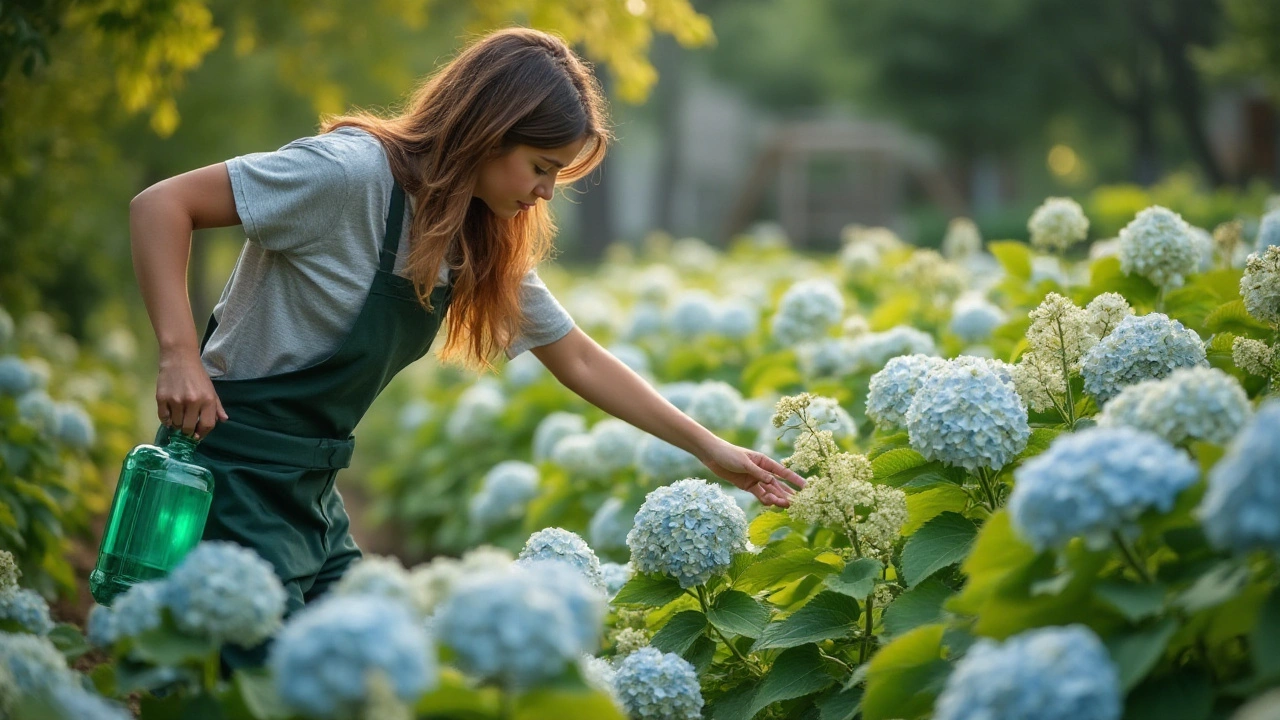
<point>314,213</point>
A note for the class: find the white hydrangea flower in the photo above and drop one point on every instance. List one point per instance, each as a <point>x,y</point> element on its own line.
<point>844,498</point>
<point>1157,244</point>
<point>968,414</point>
<point>1260,286</point>
<point>1109,247</point>
<point>962,239</point>
<point>1195,403</point>
<point>629,640</point>
<point>1142,347</point>
<point>1048,267</point>
<point>881,239</point>
<point>9,572</point>
<point>564,546</point>
<point>859,259</point>
<point>553,428</point>
<point>823,413</point>
<point>854,325</point>
<point>1060,330</point>
<point>689,530</point>
<point>807,310</point>
<point>523,370</point>
<point>926,272</point>
<point>973,319</point>
<point>826,357</point>
<point>615,443</point>
<point>1253,356</point>
<point>597,673</point>
<point>227,592</point>
<point>871,351</point>
<point>476,412</point>
<point>632,356</point>
<point>1105,313</point>
<point>891,390</point>
<point>679,393</point>
<point>655,283</point>
<point>692,254</point>
<point>716,405</point>
<point>1057,224</point>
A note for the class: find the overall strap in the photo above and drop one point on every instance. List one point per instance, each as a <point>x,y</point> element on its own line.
<point>391,238</point>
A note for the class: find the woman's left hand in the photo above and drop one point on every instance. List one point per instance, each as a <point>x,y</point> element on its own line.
<point>754,472</point>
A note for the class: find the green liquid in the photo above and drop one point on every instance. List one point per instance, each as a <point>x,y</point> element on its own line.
<point>156,518</point>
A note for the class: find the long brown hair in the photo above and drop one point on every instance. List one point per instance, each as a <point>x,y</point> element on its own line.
<point>512,87</point>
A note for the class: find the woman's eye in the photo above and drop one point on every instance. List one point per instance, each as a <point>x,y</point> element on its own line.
<point>539,170</point>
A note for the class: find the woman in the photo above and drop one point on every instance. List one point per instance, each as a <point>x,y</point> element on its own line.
<point>362,242</point>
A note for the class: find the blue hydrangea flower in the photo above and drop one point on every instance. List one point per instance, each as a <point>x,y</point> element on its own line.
<point>967,414</point>
<point>1053,673</point>
<point>646,320</point>
<point>28,608</point>
<point>891,390</point>
<point>1241,508</point>
<point>1096,481</point>
<point>654,685</point>
<point>661,461</point>
<point>716,405</point>
<point>99,628</point>
<point>609,526</point>
<point>476,413</point>
<point>1195,403</point>
<point>138,609</point>
<point>826,357</point>
<point>1157,244</point>
<point>737,319</point>
<point>552,429</point>
<point>560,544</point>
<point>614,443</point>
<point>227,592</point>
<point>679,393</point>
<point>1142,347</point>
<point>689,530</point>
<point>73,701</point>
<point>807,310</point>
<point>577,455</point>
<point>973,320</point>
<point>72,426</point>
<point>34,663</point>
<point>504,493</point>
<point>415,414</point>
<point>870,351</point>
<point>615,576</point>
<point>521,625</point>
<point>323,657</point>
<point>1269,231</point>
<point>383,577</point>
<point>693,314</point>
<point>632,356</point>
<point>36,409</point>
<point>15,377</point>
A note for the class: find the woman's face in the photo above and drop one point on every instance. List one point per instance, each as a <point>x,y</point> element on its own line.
<point>512,183</point>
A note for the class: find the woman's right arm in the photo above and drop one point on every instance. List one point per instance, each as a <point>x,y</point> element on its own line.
<point>161,219</point>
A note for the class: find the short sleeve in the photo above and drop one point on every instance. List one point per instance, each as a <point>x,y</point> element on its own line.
<point>288,198</point>
<point>545,319</point>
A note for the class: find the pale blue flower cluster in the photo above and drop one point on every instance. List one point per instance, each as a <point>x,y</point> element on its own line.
<point>597,673</point>
<point>415,414</point>
<point>871,351</point>
<point>1157,244</point>
<point>1260,285</point>
<point>615,576</point>
<point>1241,509</point>
<point>26,607</point>
<point>1195,403</point>
<point>564,546</point>
<point>1094,482</point>
<point>1051,673</point>
<point>827,357</point>
<point>133,613</point>
<point>632,356</point>
<point>1142,347</point>
<point>476,413</point>
<point>74,702</point>
<point>615,443</point>
<point>226,592</point>
<point>646,320</point>
<point>737,319</point>
<point>679,393</point>
<point>965,413</point>
<point>609,526</point>
<point>36,409</point>
<point>661,461</point>
<point>552,429</point>
<point>689,530</point>
<point>323,658</point>
<point>384,577</point>
<point>523,624</point>
<point>99,627</point>
<point>72,426</point>
<point>824,414</point>
<point>654,685</point>
<point>504,493</point>
<point>716,405</point>
<point>693,314</point>
<point>1269,231</point>
<point>892,389</point>
<point>16,377</point>
<point>974,319</point>
<point>523,370</point>
<point>577,455</point>
<point>34,663</point>
<point>807,310</point>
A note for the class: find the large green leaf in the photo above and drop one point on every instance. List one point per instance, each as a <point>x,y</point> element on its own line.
<point>1234,317</point>
<point>680,631</point>
<point>1185,695</point>
<point>944,540</point>
<point>784,568</point>
<point>1264,642</point>
<point>905,676</point>
<point>1221,583</point>
<point>1134,601</point>
<point>828,615</point>
<point>896,461</point>
<point>858,578</point>
<point>738,613</point>
<point>555,704</point>
<point>796,672</point>
<point>649,590</point>
<point>767,523</point>
<point>166,646</point>
<point>928,504</point>
<point>1014,257</point>
<point>840,704</point>
<point>1136,652</point>
<point>921,605</point>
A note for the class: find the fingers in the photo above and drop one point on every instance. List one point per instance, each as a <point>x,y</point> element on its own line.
<point>777,468</point>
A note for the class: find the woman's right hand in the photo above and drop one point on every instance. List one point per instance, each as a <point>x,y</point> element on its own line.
<point>185,398</point>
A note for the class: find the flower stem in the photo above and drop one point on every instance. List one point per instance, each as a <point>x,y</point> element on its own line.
<point>212,664</point>
<point>986,487</point>
<point>1066,382</point>
<point>836,660</point>
<point>866,636</point>
<point>1130,558</point>
<point>702,600</point>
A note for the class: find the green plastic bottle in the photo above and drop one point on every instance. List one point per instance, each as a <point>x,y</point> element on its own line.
<point>157,516</point>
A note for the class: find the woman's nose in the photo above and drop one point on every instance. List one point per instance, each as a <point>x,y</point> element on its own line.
<point>544,191</point>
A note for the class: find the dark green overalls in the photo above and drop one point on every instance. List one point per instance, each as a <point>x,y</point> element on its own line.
<point>274,461</point>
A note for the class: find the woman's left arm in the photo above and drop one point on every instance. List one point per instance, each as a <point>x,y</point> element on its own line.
<point>581,365</point>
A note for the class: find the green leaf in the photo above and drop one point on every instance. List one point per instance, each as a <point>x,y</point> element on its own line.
<point>997,552</point>
<point>858,578</point>
<point>840,704</point>
<point>649,590</point>
<point>796,672</point>
<point>455,698</point>
<point>765,524</point>
<point>944,540</point>
<point>784,568</point>
<point>257,690</point>
<point>1264,641</point>
<point>1221,583</point>
<point>733,704</point>
<point>887,443</point>
<point>1135,653</point>
<point>1039,441</point>
<point>904,677</point>
<point>680,631</point>
<point>925,506</point>
<point>1014,257</point>
<point>828,615</point>
<point>1185,695</point>
<point>738,613</point>
<point>557,704</point>
<point>1133,601</point>
<point>69,641</point>
<point>1233,317</point>
<point>165,646</point>
<point>896,461</point>
<point>700,653</point>
<point>921,605</point>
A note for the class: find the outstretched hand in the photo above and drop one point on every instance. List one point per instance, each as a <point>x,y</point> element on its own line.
<point>754,472</point>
